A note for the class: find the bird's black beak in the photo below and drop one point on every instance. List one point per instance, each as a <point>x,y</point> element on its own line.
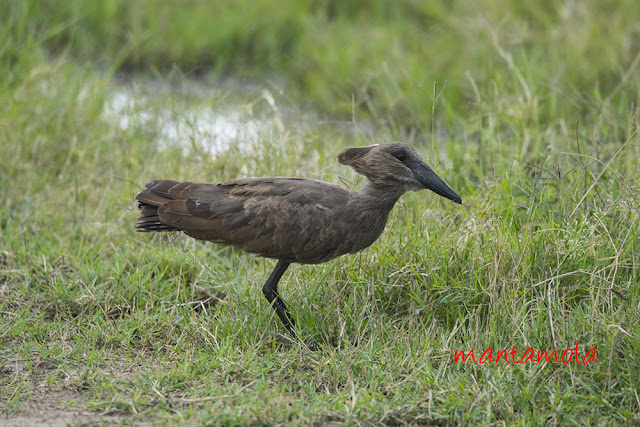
<point>431,181</point>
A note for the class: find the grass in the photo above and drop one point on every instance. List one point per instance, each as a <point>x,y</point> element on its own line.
<point>536,128</point>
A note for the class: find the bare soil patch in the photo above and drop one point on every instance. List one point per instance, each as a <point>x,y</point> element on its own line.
<point>57,405</point>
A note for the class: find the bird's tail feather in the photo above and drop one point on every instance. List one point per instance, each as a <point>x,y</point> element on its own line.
<point>149,200</point>
<point>149,221</point>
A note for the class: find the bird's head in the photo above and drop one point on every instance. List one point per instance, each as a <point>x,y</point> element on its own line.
<point>396,165</point>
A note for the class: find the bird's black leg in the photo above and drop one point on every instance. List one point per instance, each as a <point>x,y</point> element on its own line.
<point>270,290</point>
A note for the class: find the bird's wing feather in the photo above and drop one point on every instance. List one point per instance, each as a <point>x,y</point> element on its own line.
<point>289,218</point>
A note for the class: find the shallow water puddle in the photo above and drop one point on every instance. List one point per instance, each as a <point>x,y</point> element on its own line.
<point>191,120</point>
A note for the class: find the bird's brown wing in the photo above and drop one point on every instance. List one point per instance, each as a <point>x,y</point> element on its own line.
<point>285,218</point>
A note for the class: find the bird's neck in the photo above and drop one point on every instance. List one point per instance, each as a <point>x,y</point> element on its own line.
<point>376,197</point>
<point>370,207</point>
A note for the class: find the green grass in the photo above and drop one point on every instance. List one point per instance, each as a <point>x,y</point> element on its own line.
<point>536,129</point>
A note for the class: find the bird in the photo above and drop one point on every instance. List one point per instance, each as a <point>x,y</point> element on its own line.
<point>292,220</point>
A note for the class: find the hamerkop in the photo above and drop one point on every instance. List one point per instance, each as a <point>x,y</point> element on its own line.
<point>292,219</point>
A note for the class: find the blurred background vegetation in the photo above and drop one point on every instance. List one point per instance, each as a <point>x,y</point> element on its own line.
<point>371,56</point>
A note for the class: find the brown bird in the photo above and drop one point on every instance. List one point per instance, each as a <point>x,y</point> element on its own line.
<point>292,219</point>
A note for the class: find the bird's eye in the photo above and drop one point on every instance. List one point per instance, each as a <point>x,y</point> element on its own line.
<point>400,156</point>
